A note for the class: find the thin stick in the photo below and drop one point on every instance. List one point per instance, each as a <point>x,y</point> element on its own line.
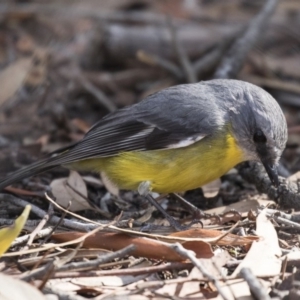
<point>154,60</point>
<point>124,272</point>
<point>41,213</point>
<point>38,228</point>
<point>236,55</point>
<point>181,54</point>
<point>256,288</point>
<point>192,257</point>
<point>24,238</point>
<point>91,264</point>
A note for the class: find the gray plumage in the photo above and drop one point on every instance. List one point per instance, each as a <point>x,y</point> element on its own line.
<point>177,117</point>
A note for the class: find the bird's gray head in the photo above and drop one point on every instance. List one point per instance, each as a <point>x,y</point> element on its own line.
<point>258,124</point>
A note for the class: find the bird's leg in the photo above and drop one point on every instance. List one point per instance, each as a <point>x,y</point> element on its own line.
<point>144,190</point>
<point>195,211</point>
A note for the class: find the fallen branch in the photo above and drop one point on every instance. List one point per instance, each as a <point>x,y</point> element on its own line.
<point>192,257</point>
<point>286,195</point>
<point>256,288</point>
<point>75,225</point>
<point>236,55</point>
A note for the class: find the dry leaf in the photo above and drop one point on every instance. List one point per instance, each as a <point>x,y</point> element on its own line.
<point>243,207</point>
<point>262,259</point>
<point>111,187</point>
<point>71,190</point>
<point>211,189</point>
<point>12,289</point>
<point>196,233</point>
<point>263,256</point>
<point>295,177</point>
<point>144,246</point>
<point>93,180</point>
<point>12,78</point>
<point>38,71</point>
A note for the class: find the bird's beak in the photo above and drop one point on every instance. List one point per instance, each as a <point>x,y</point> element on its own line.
<point>272,172</point>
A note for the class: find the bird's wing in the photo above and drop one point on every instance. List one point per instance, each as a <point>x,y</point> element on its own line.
<point>131,135</point>
<point>162,121</point>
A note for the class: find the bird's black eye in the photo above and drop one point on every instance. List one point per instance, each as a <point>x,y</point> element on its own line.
<point>259,137</point>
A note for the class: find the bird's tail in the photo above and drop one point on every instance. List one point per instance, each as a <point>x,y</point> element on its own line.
<point>33,169</point>
<point>54,159</point>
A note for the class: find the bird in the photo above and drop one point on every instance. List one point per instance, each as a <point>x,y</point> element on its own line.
<point>177,139</point>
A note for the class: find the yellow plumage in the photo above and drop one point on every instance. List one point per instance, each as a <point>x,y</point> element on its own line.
<point>170,170</point>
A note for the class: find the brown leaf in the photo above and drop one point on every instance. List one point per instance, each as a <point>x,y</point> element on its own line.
<point>12,289</point>
<point>19,191</point>
<point>12,78</point>
<point>229,239</point>
<point>71,190</point>
<point>144,246</point>
<point>38,71</point>
<point>111,187</point>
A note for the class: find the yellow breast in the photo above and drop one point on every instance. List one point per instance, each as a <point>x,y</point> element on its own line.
<point>172,170</point>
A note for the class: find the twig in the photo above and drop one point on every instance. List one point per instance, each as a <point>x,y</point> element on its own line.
<point>181,54</point>
<point>52,246</point>
<point>212,58</point>
<point>154,60</point>
<point>64,10</point>
<point>286,195</point>
<point>225,279</point>
<point>236,55</point>
<point>66,211</point>
<point>286,222</point>
<point>57,224</point>
<point>132,272</point>
<point>97,93</point>
<point>256,288</point>
<point>31,262</point>
<point>95,207</point>
<point>294,217</point>
<point>92,224</point>
<point>24,238</point>
<point>49,268</point>
<point>209,61</point>
<point>191,256</point>
<point>283,267</point>
<point>123,79</point>
<point>35,232</point>
<point>75,225</point>
<point>96,262</point>
<point>273,83</point>
<point>40,272</point>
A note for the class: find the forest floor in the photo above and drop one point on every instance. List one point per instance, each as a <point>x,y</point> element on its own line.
<point>66,64</point>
